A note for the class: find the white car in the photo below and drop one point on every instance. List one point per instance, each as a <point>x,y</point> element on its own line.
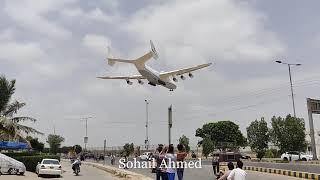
<point>294,155</point>
<point>145,156</point>
<point>11,166</point>
<point>49,167</point>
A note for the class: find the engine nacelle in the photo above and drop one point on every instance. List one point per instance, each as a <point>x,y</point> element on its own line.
<point>182,77</point>
<point>190,75</point>
<point>175,79</point>
<point>140,82</point>
<point>129,82</point>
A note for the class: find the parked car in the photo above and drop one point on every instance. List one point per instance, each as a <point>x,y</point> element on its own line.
<point>11,166</point>
<point>49,167</point>
<point>245,156</point>
<point>145,156</point>
<point>294,156</point>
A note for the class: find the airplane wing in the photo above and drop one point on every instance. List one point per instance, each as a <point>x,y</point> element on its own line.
<point>183,71</point>
<point>123,77</point>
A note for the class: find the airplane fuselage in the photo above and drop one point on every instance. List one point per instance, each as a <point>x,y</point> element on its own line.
<point>154,77</point>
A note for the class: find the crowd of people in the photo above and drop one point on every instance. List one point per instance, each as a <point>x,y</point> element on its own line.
<point>168,154</point>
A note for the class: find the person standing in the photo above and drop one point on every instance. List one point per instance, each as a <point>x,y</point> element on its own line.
<point>181,155</point>
<point>171,159</point>
<point>159,157</point>
<point>238,173</point>
<point>215,165</point>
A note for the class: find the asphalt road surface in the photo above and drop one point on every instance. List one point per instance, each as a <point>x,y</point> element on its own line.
<point>87,172</point>
<point>312,168</point>
<point>206,173</point>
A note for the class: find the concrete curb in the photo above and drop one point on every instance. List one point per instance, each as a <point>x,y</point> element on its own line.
<point>118,172</point>
<point>298,174</point>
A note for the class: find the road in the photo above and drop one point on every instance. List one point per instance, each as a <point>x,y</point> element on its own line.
<point>86,173</point>
<point>206,173</point>
<point>312,168</point>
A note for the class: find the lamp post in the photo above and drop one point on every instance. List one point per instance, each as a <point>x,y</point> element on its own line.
<point>292,96</point>
<point>147,124</point>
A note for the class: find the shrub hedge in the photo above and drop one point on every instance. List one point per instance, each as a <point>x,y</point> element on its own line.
<point>31,162</point>
<point>18,154</point>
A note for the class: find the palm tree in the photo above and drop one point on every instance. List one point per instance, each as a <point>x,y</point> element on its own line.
<point>10,127</point>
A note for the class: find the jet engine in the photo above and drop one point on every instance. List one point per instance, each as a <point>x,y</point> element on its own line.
<point>190,75</point>
<point>182,77</point>
<point>129,82</point>
<point>140,82</point>
<point>175,79</point>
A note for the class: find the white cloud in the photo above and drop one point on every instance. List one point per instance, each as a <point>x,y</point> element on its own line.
<point>93,15</point>
<point>96,43</point>
<point>6,34</point>
<point>20,52</point>
<point>32,16</point>
<point>223,29</point>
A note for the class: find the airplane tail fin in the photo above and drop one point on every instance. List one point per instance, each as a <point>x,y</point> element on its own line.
<point>112,61</point>
<point>154,51</point>
<point>140,61</point>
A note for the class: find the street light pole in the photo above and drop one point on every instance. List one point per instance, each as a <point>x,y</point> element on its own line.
<point>292,97</point>
<point>147,125</point>
<point>291,87</point>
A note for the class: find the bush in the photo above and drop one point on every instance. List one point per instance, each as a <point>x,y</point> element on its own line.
<point>272,153</point>
<point>32,161</point>
<point>269,154</point>
<point>18,154</point>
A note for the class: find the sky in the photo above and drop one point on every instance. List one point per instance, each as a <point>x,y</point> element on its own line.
<point>56,49</point>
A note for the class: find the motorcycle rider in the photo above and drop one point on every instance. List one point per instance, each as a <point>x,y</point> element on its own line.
<point>76,163</point>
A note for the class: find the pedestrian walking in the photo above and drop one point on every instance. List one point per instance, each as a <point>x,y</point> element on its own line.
<point>181,155</point>
<point>238,173</point>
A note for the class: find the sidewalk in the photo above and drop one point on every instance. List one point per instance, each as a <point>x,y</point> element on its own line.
<point>118,172</point>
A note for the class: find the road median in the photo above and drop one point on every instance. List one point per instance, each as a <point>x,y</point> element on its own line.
<point>298,174</point>
<point>122,173</point>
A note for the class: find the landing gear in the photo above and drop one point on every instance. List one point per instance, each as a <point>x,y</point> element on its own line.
<point>171,90</point>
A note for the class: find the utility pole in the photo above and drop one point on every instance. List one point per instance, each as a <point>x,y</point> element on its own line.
<point>147,125</point>
<point>86,137</point>
<point>169,122</point>
<point>292,96</point>
<point>104,150</point>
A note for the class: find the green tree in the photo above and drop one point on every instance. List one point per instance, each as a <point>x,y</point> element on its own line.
<point>185,142</point>
<point>54,142</point>
<point>35,144</point>
<point>288,133</point>
<point>66,149</point>
<point>223,134</point>
<point>77,148</point>
<point>10,125</point>
<point>258,137</point>
<point>207,147</point>
<point>128,149</point>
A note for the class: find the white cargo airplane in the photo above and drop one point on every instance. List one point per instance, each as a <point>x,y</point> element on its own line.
<point>154,77</point>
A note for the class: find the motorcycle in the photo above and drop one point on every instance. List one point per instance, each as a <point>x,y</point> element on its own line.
<point>76,167</point>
